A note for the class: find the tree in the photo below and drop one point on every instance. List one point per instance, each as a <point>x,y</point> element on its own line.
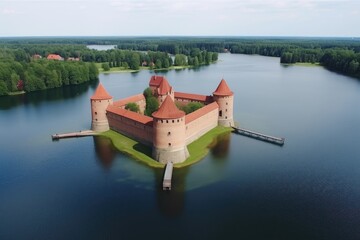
<point>158,63</point>
<point>148,93</point>
<point>131,106</point>
<point>3,89</point>
<point>105,66</point>
<point>166,63</point>
<point>180,60</point>
<point>134,61</point>
<point>196,62</point>
<point>191,107</point>
<point>93,72</point>
<point>152,105</point>
<point>14,80</point>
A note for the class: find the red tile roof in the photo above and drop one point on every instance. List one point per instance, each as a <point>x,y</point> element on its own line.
<point>200,112</point>
<point>54,57</point>
<point>168,110</point>
<point>195,97</point>
<point>135,98</point>
<point>130,115</point>
<point>164,87</point>
<point>156,80</point>
<point>101,93</point>
<point>223,89</point>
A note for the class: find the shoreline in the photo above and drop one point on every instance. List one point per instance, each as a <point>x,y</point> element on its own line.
<point>120,70</point>
<point>140,152</point>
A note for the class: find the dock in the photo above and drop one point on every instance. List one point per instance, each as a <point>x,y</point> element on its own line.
<point>83,133</point>
<point>168,176</point>
<point>259,136</point>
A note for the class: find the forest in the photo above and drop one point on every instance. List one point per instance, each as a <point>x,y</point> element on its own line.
<point>20,71</point>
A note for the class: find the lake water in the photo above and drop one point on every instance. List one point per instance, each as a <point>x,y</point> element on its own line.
<point>243,189</point>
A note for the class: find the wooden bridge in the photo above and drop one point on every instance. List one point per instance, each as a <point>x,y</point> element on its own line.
<point>74,134</point>
<point>260,136</point>
<point>168,176</point>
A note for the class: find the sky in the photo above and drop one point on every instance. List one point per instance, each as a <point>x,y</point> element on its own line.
<point>313,18</point>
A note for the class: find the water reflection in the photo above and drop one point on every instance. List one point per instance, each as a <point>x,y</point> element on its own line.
<point>105,151</point>
<point>220,149</point>
<point>56,94</point>
<point>171,203</point>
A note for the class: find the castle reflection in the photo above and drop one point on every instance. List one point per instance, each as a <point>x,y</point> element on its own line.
<point>105,151</point>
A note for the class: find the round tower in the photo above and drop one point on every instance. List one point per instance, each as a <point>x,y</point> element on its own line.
<point>169,133</point>
<point>225,99</point>
<point>99,102</point>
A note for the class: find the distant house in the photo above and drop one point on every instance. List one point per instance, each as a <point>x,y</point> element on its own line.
<point>36,56</point>
<point>55,57</point>
<point>73,59</point>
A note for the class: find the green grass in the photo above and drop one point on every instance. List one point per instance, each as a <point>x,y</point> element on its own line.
<point>132,148</point>
<point>197,149</point>
<point>200,148</point>
<point>306,64</point>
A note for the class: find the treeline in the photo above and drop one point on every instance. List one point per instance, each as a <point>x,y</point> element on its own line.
<point>43,74</point>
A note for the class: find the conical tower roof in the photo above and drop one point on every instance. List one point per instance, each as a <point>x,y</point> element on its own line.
<point>223,89</point>
<point>101,93</point>
<point>168,110</point>
<point>164,87</point>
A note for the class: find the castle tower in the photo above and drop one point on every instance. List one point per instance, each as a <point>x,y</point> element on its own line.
<point>161,88</point>
<point>99,102</point>
<point>225,99</point>
<point>164,90</point>
<point>169,133</point>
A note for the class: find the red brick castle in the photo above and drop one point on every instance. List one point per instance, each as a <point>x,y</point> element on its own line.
<point>169,130</point>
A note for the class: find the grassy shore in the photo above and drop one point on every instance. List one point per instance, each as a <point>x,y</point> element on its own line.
<point>304,64</point>
<point>123,70</point>
<point>197,149</point>
<point>16,93</point>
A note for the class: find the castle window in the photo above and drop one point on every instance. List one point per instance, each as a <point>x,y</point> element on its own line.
<point>169,133</point>
<point>161,121</point>
<point>173,121</point>
<point>225,110</point>
<point>225,117</point>
<point>169,144</point>
<point>220,113</point>
<point>178,120</point>
<point>226,103</point>
<point>96,119</point>
<point>95,113</point>
<point>167,121</point>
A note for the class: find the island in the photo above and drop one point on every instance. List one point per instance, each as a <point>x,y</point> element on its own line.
<point>168,132</point>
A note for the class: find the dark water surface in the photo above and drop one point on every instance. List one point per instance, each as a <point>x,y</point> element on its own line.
<point>244,189</point>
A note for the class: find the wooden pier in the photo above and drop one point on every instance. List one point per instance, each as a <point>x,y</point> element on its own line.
<point>73,134</point>
<point>260,136</point>
<point>168,176</point>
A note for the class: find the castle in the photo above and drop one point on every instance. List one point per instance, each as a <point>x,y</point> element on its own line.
<point>169,130</point>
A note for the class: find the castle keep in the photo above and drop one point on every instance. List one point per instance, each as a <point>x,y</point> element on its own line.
<point>169,130</point>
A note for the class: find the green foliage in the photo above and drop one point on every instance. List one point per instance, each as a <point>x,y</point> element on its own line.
<point>105,66</point>
<point>3,88</point>
<point>134,61</point>
<point>152,105</point>
<point>131,106</point>
<point>148,93</point>
<point>180,60</point>
<point>190,107</point>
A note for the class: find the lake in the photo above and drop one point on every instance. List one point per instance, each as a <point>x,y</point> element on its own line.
<point>243,189</point>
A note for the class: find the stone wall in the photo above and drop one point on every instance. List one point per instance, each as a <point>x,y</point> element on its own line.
<point>139,131</point>
<point>201,121</point>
